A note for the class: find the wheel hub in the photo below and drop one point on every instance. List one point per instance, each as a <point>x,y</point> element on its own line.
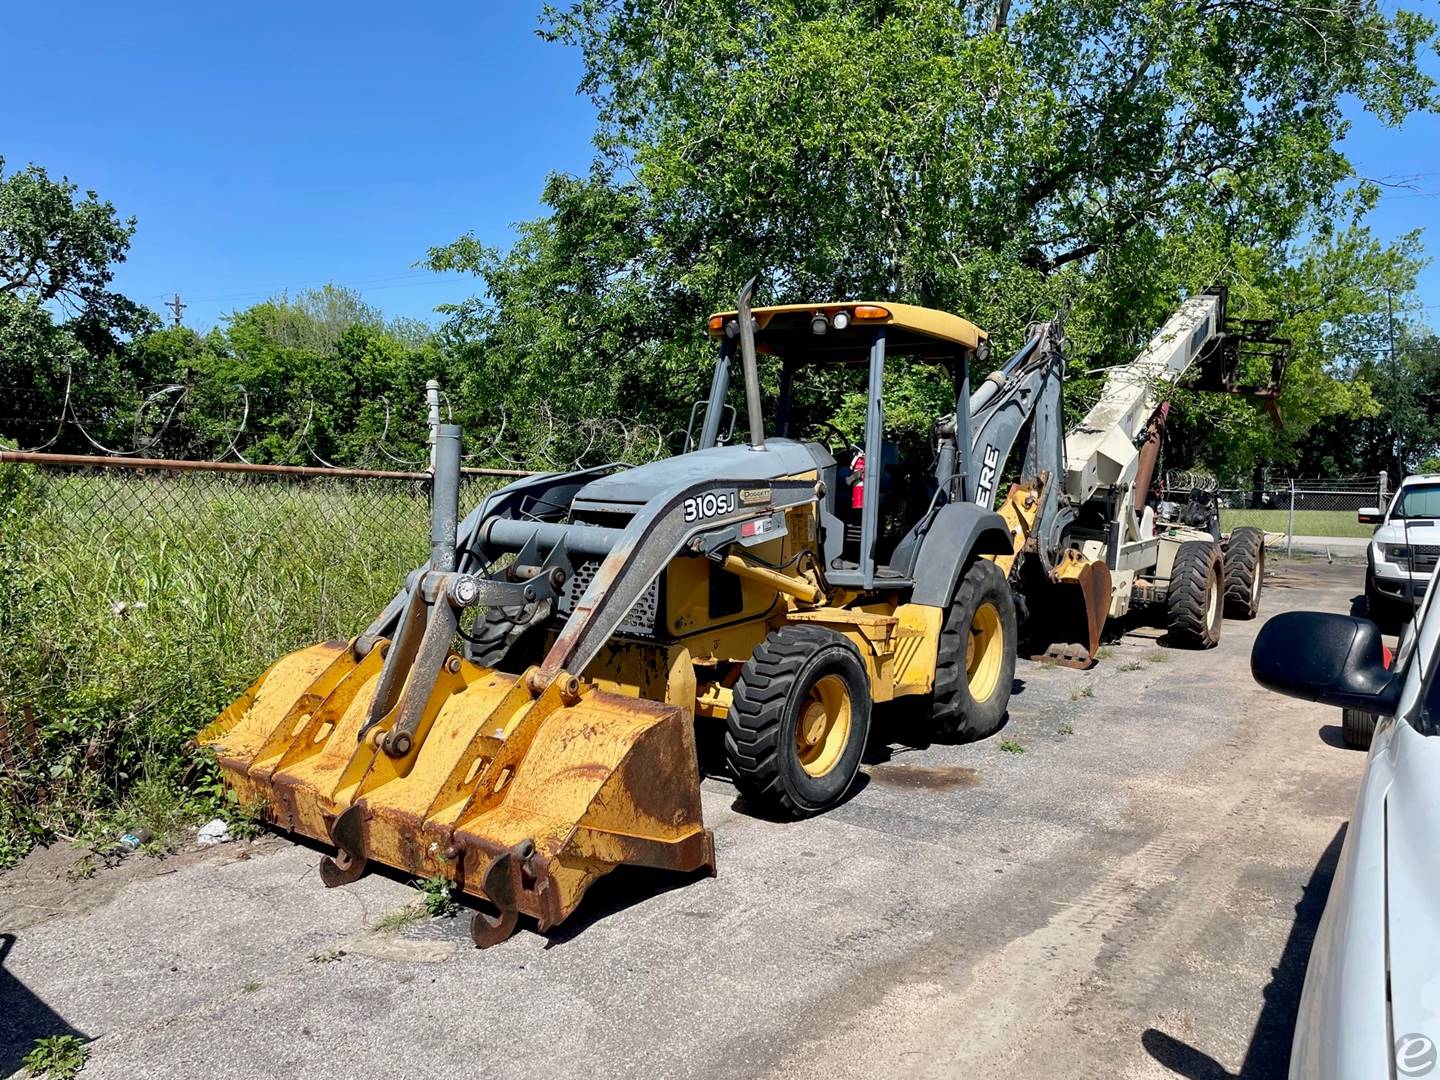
<point>822,729</point>
<point>984,652</point>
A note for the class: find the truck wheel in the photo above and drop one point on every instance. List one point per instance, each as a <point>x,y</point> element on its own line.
<point>799,718</point>
<point>501,640</point>
<point>976,664</point>
<point>1357,728</point>
<point>1244,572</point>
<point>1194,600</point>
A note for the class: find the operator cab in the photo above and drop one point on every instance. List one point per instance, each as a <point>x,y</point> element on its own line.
<point>880,491</point>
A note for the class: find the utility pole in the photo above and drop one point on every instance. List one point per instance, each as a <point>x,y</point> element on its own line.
<point>1390,315</point>
<point>176,306</point>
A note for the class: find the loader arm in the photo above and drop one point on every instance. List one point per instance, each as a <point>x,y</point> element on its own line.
<point>540,499</point>
<point>660,531</point>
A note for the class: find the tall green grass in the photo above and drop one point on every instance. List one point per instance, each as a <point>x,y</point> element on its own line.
<point>134,606</point>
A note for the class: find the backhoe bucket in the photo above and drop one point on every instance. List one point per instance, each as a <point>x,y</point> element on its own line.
<point>1068,612</point>
<point>521,800</point>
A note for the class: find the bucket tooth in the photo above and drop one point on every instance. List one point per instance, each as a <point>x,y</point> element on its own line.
<point>348,862</point>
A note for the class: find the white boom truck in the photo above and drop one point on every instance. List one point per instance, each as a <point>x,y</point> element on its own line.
<point>1163,553</point>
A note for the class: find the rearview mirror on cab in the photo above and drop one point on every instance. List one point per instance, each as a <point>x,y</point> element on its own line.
<point>1369,515</point>
<point>1320,656</point>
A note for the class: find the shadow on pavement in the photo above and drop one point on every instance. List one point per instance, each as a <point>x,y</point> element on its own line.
<point>1268,1055</point>
<point>1333,735</point>
<point>621,888</point>
<point>26,1016</point>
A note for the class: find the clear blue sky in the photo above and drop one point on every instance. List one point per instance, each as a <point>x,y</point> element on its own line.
<point>266,147</point>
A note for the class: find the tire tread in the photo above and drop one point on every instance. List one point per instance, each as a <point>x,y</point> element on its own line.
<point>757,712</point>
<point>1189,593</point>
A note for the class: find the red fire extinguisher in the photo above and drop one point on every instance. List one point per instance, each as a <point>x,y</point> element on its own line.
<point>857,485</point>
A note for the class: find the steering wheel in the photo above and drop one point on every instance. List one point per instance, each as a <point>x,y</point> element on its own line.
<point>842,440</point>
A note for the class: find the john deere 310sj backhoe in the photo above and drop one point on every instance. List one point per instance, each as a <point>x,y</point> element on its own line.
<point>771,587</point>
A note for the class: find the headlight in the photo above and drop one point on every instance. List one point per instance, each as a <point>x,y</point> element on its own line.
<point>1397,553</point>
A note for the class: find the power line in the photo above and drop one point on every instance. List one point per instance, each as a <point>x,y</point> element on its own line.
<point>392,279</point>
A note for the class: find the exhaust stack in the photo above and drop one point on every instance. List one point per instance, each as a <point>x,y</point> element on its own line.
<point>748,365</point>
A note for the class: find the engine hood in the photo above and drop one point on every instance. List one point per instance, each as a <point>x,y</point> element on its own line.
<point>1421,531</point>
<point>637,486</point>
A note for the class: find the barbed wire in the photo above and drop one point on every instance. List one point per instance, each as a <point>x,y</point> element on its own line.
<point>537,440</point>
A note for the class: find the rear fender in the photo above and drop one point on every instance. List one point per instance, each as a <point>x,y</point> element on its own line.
<point>959,533</point>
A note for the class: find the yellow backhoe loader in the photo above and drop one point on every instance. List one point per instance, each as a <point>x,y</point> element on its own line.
<point>780,588</point>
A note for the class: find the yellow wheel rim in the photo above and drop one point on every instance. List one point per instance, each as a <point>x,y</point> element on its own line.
<point>824,725</point>
<point>984,652</point>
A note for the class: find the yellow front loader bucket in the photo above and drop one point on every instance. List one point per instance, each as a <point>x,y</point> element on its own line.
<point>521,799</point>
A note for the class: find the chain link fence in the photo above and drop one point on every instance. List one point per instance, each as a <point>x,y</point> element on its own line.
<point>1310,510</point>
<point>138,598</point>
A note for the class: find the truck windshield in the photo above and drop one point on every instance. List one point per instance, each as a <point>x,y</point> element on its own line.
<point>1418,501</point>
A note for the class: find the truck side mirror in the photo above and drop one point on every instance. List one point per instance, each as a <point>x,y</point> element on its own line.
<point>1369,515</point>
<point>1320,656</point>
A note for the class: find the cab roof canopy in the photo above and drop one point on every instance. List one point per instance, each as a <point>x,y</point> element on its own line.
<point>785,330</point>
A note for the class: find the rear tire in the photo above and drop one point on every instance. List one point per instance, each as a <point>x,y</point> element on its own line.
<point>799,719</point>
<point>1244,573</point>
<point>1357,728</point>
<point>975,668</point>
<point>1194,599</point>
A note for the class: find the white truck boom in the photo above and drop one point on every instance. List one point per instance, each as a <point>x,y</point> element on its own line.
<point>1157,553</point>
<point>1100,450</point>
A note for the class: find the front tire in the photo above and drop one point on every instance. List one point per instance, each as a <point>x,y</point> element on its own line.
<point>1357,728</point>
<point>1244,572</point>
<point>799,719</point>
<point>1194,599</point>
<point>504,639</point>
<point>975,668</point>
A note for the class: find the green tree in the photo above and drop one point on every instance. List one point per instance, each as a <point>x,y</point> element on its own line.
<point>318,376</point>
<point>1401,434</point>
<point>58,314</point>
<point>1331,300</point>
<point>999,160</point>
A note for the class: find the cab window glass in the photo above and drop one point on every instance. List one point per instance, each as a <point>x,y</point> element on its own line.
<point>1419,501</point>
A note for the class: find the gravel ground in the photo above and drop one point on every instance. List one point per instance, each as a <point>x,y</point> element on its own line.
<point>1133,895</point>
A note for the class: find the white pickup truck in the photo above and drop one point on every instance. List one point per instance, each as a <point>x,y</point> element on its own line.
<point>1403,552</point>
<point>1370,1007</point>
